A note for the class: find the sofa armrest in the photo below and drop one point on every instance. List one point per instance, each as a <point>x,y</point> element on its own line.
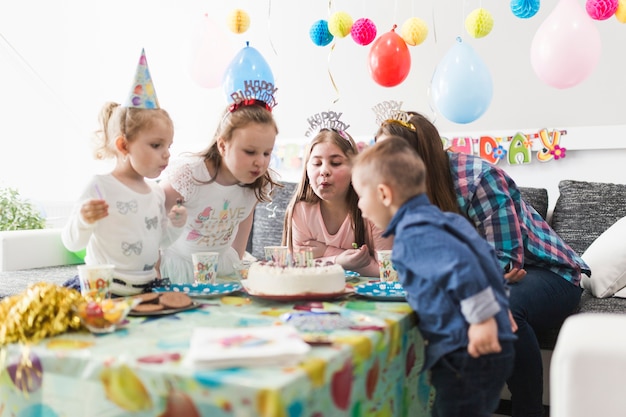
<point>26,249</point>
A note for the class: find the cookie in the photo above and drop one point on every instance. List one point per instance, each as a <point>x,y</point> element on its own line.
<point>147,297</point>
<point>148,308</point>
<point>174,300</point>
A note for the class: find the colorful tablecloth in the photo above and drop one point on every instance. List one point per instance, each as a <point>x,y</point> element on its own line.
<point>140,369</point>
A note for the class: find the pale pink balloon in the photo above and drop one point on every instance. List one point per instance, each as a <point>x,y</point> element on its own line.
<point>211,53</point>
<point>567,46</point>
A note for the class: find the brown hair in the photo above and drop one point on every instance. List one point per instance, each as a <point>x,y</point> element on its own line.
<point>239,119</point>
<point>116,121</point>
<point>395,163</point>
<point>426,141</point>
<point>304,192</point>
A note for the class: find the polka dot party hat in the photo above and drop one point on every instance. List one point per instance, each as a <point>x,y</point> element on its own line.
<point>142,94</point>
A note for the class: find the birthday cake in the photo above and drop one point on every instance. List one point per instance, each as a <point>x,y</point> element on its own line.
<point>267,278</point>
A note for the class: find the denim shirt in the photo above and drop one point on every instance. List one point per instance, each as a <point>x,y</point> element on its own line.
<point>450,273</point>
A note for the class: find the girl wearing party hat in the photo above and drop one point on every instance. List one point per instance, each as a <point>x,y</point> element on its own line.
<point>221,185</point>
<point>120,218</point>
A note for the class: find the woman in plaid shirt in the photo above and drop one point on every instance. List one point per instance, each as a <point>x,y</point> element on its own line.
<point>544,272</point>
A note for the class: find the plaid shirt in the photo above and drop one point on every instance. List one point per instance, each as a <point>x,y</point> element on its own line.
<point>520,236</point>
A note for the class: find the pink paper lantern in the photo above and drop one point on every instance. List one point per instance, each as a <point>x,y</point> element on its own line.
<point>363,31</point>
<point>601,9</point>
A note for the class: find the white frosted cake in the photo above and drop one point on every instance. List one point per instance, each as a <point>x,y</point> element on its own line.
<point>267,278</point>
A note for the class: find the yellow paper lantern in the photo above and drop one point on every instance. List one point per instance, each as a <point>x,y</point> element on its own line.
<point>339,24</point>
<point>620,13</point>
<point>238,21</point>
<point>414,31</point>
<point>479,23</point>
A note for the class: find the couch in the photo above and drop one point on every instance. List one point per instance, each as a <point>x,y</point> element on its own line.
<point>583,211</point>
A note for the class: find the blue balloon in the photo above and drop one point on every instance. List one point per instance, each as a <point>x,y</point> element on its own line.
<point>248,65</point>
<point>461,85</point>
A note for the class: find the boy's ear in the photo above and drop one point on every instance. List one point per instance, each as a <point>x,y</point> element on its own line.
<point>385,194</point>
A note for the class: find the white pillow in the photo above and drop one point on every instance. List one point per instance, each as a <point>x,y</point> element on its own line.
<point>606,257</point>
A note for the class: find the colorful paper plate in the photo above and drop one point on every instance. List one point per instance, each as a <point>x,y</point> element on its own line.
<point>391,291</point>
<point>201,290</point>
<point>352,274</point>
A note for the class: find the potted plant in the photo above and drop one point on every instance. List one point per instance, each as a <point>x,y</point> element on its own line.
<point>18,213</point>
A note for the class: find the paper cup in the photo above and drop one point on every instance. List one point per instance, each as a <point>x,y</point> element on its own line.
<point>95,281</point>
<point>385,267</point>
<point>205,267</point>
<point>278,254</point>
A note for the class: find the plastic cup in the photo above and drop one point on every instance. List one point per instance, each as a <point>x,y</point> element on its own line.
<point>277,254</point>
<point>205,267</point>
<point>95,281</point>
<point>385,267</point>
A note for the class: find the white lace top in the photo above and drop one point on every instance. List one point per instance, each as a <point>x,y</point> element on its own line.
<point>214,213</point>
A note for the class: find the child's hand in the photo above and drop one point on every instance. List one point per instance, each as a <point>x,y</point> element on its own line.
<point>319,248</point>
<point>354,259</point>
<point>178,215</point>
<point>483,338</point>
<point>94,210</point>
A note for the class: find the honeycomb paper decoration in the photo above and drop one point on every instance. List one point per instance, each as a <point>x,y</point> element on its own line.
<point>238,21</point>
<point>601,9</point>
<point>340,24</point>
<point>363,31</point>
<point>414,31</point>
<point>524,9</point>
<point>319,33</point>
<point>479,23</point>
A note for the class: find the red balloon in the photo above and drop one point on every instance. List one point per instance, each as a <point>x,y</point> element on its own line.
<point>389,59</point>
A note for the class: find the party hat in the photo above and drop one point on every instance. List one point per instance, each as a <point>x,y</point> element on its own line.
<point>142,94</point>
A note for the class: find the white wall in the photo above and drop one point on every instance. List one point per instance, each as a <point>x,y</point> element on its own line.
<point>61,60</point>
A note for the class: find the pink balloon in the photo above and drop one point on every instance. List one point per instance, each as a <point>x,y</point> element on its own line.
<point>566,47</point>
<point>210,55</point>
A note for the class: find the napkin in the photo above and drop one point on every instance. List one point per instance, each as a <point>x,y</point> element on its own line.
<point>246,346</point>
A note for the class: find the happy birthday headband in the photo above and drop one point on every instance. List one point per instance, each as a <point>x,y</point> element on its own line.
<point>255,93</point>
<point>391,111</point>
<point>142,94</point>
<point>329,120</point>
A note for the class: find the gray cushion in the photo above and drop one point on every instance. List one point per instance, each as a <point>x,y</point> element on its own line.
<point>586,209</point>
<point>536,197</point>
<point>267,229</point>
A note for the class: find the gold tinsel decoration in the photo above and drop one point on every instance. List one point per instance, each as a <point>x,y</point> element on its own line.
<point>42,310</point>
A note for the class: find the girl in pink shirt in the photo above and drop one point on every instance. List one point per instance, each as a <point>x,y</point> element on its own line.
<point>323,213</point>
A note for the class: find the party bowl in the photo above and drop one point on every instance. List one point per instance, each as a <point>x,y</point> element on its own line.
<point>106,315</point>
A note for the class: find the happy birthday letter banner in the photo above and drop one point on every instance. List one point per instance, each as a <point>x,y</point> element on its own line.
<point>516,149</point>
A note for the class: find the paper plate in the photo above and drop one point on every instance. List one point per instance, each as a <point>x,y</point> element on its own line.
<point>391,291</point>
<point>201,290</point>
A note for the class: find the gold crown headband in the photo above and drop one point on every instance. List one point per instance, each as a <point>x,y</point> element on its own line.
<point>326,120</point>
<point>391,111</point>
<point>255,93</point>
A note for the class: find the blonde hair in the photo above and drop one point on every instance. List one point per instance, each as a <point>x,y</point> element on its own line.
<point>116,121</point>
<point>304,192</point>
<point>229,122</point>
<point>395,163</point>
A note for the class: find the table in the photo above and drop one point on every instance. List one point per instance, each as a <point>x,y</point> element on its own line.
<point>139,370</point>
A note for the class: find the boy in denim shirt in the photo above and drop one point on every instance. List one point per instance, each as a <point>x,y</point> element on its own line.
<point>451,276</point>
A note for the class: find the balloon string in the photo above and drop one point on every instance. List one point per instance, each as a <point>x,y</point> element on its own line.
<point>330,74</point>
<point>269,26</point>
<point>434,24</point>
<point>39,78</point>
